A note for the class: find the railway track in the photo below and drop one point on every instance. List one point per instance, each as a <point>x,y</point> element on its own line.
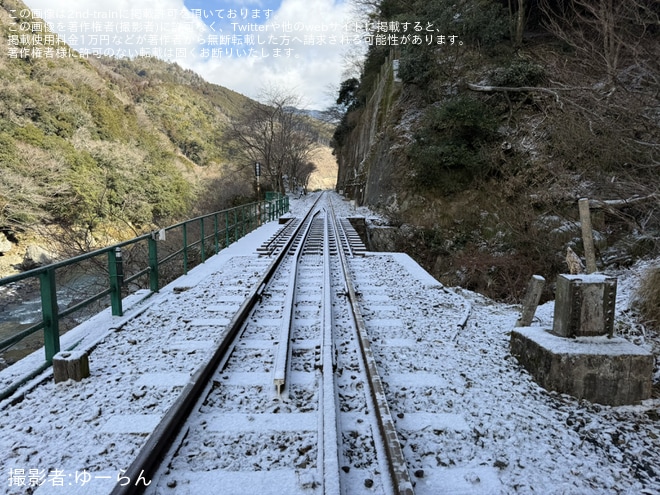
<point>291,401</point>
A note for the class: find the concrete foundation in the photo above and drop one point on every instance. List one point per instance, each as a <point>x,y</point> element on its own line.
<point>609,371</point>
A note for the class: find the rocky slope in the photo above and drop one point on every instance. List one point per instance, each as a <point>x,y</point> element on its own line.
<point>479,154</point>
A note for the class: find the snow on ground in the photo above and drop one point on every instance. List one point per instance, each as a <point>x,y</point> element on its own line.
<point>503,433</point>
<point>514,437</point>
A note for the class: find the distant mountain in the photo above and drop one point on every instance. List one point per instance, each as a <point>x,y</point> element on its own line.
<point>315,114</point>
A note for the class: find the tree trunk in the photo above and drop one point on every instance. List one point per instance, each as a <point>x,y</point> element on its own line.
<point>520,22</point>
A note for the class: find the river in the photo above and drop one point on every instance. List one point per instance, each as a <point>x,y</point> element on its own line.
<point>20,307</point>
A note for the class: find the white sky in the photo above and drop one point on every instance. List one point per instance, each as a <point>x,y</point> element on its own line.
<point>311,68</point>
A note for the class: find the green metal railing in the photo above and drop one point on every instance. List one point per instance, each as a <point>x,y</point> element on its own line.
<point>199,237</point>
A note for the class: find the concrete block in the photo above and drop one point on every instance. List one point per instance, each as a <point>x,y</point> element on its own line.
<point>584,305</point>
<point>609,371</point>
<point>72,365</point>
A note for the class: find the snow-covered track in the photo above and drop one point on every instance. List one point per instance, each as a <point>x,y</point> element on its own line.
<point>165,434</point>
<point>393,455</point>
<point>280,239</point>
<point>469,419</point>
<point>283,349</point>
<point>350,240</point>
<point>268,411</point>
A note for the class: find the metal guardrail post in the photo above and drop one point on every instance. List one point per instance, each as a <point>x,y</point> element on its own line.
<point>185,248</point>
<point>235,225</point>
<point>242,220</point>
<point>226,228</point>
<point>216,237</point>
<point>153,264</point>
<point>116,273</point>
<point>201,240</point>
<point>49,313</point>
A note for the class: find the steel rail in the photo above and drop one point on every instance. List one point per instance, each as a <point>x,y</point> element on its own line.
<point>343,236</point>
<point>272,244</point>
<point>283,348</point>
<point>396,463</point>
<point>148,460</point>
<point>328,427</point>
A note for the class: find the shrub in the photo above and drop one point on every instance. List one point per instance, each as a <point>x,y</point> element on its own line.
<point>30,134</point>
<point>518,73</point>
<point>417,65</point>
<point>485,23</point>
<point>499,276</point>
<point>450,149</point>
<point>8,151</point>
<point>478,23</point>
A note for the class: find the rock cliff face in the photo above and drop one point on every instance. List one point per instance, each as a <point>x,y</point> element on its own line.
<point>514,221</point>
<point>368,159</point>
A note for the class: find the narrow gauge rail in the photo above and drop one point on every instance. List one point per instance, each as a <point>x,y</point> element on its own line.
<point>291,401</point>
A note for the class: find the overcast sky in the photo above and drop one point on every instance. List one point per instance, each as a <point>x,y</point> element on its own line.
<point>245,45</point>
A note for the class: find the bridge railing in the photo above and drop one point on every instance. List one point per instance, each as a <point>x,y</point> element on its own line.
<point>147,261</point>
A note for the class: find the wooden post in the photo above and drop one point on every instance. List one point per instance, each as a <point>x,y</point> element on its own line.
<point>531,301</point>
<point>587,235</point>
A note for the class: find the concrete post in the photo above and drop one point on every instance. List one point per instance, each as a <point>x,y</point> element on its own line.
<point>531,301</point>
<point>584,305</point>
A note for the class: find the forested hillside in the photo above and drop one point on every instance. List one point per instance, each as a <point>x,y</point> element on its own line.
<point>479,150</point>
<point>88,143</point>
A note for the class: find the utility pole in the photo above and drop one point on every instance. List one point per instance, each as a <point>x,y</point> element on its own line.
<point>257,174</point>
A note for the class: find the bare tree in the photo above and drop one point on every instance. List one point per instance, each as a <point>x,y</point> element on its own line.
<point>274,133</point>
<point>304,174</point>
<point>610,34</point>
<point>518,20</point>
<point>618,44</point>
